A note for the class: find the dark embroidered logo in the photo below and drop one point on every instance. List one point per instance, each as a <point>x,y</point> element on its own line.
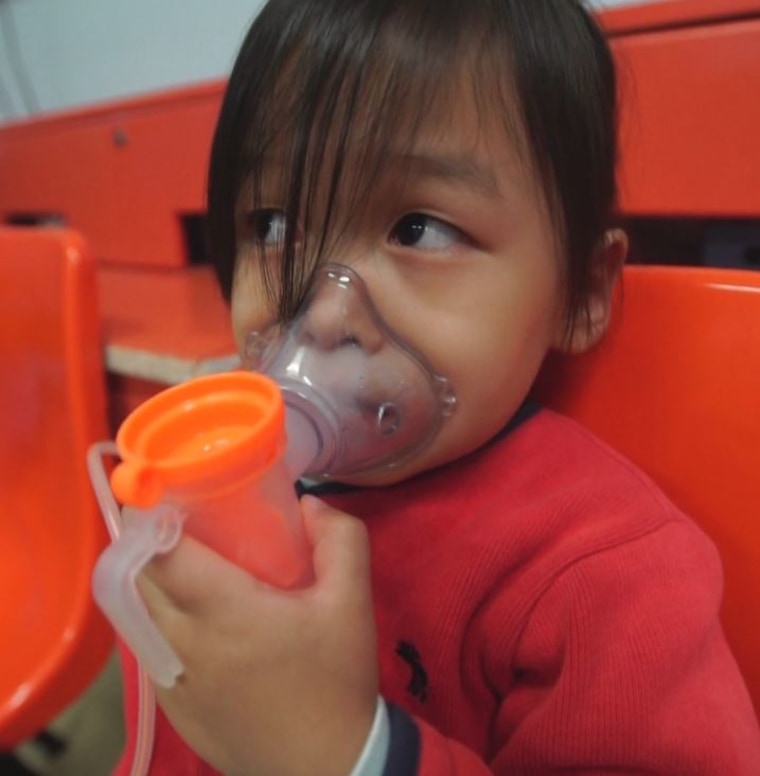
<point>418,684</point>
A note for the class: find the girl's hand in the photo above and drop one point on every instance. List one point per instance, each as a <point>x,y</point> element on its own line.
<point>277,683</point>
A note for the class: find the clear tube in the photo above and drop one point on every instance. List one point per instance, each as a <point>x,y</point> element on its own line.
<point>146,724</point>
<point>146,699</point>
<point>107,503</point>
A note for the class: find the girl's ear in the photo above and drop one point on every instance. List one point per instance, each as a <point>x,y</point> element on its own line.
<point>608,267</point>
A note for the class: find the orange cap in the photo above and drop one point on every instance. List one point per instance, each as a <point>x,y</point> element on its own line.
<point>204,431</point>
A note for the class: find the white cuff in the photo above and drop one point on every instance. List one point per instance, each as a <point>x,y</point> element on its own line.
<point>372,759</point>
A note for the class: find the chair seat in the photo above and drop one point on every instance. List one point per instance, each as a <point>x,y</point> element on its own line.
<point>52,406</point>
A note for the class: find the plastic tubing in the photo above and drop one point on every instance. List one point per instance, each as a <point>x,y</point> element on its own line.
<point>146,699</point>
<point>107,503</point>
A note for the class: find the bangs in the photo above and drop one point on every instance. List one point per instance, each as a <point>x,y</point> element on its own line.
<point>321,95</point>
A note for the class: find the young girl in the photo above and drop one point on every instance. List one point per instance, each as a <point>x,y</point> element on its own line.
<point>512,597</point>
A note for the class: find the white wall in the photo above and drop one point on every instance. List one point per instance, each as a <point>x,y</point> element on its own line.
<point>78,52</point>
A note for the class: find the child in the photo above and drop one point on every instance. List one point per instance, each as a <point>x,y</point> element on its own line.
<point>521,599</point>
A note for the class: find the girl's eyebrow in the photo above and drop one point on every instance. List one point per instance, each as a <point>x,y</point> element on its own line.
<point>460,169</point>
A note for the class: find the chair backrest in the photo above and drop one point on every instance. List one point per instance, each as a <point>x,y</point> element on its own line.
<point>675,386</point>
<point>52,406</point>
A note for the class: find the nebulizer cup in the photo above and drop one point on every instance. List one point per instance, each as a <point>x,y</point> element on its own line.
<point>203,458</point>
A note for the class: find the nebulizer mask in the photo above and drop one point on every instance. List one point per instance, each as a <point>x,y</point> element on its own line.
<point>333,394</point>
<point>359,400</point>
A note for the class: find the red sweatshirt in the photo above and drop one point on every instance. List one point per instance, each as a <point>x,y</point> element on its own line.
<point>542,608</point>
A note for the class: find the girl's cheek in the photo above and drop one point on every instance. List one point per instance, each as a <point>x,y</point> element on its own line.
<point>249,306</point>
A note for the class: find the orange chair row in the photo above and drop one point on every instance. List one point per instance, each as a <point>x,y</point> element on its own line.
<point>129,173</point>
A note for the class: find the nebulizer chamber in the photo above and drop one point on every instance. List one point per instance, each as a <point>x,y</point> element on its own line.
<point>203,458</point>
<point>333,394</point>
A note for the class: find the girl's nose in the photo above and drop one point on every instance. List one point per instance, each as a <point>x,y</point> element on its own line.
<point>340,313</point>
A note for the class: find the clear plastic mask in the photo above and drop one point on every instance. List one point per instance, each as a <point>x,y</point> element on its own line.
<point>358,399</point>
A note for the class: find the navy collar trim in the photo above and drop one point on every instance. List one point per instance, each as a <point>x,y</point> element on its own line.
<point>528,409</point>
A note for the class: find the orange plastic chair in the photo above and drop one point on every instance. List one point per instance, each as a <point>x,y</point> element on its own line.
<point>52,406</point>
<point>675,386</point>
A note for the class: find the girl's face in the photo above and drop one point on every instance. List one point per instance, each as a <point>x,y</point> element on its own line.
<point>460,258</point>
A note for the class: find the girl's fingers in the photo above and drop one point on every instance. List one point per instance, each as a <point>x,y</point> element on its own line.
<point>194,578</point>
<point>197,581</point>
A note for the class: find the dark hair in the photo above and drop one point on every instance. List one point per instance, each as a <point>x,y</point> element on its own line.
<point>312,73</point>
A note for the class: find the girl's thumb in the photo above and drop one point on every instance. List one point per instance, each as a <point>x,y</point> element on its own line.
<point>339,542</point>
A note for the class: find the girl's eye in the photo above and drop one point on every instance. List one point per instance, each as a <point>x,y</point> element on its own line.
<point>268,227</point>
<point>417,230</point>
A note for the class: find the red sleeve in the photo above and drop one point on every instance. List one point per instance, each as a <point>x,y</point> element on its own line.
<point>622,667</point>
